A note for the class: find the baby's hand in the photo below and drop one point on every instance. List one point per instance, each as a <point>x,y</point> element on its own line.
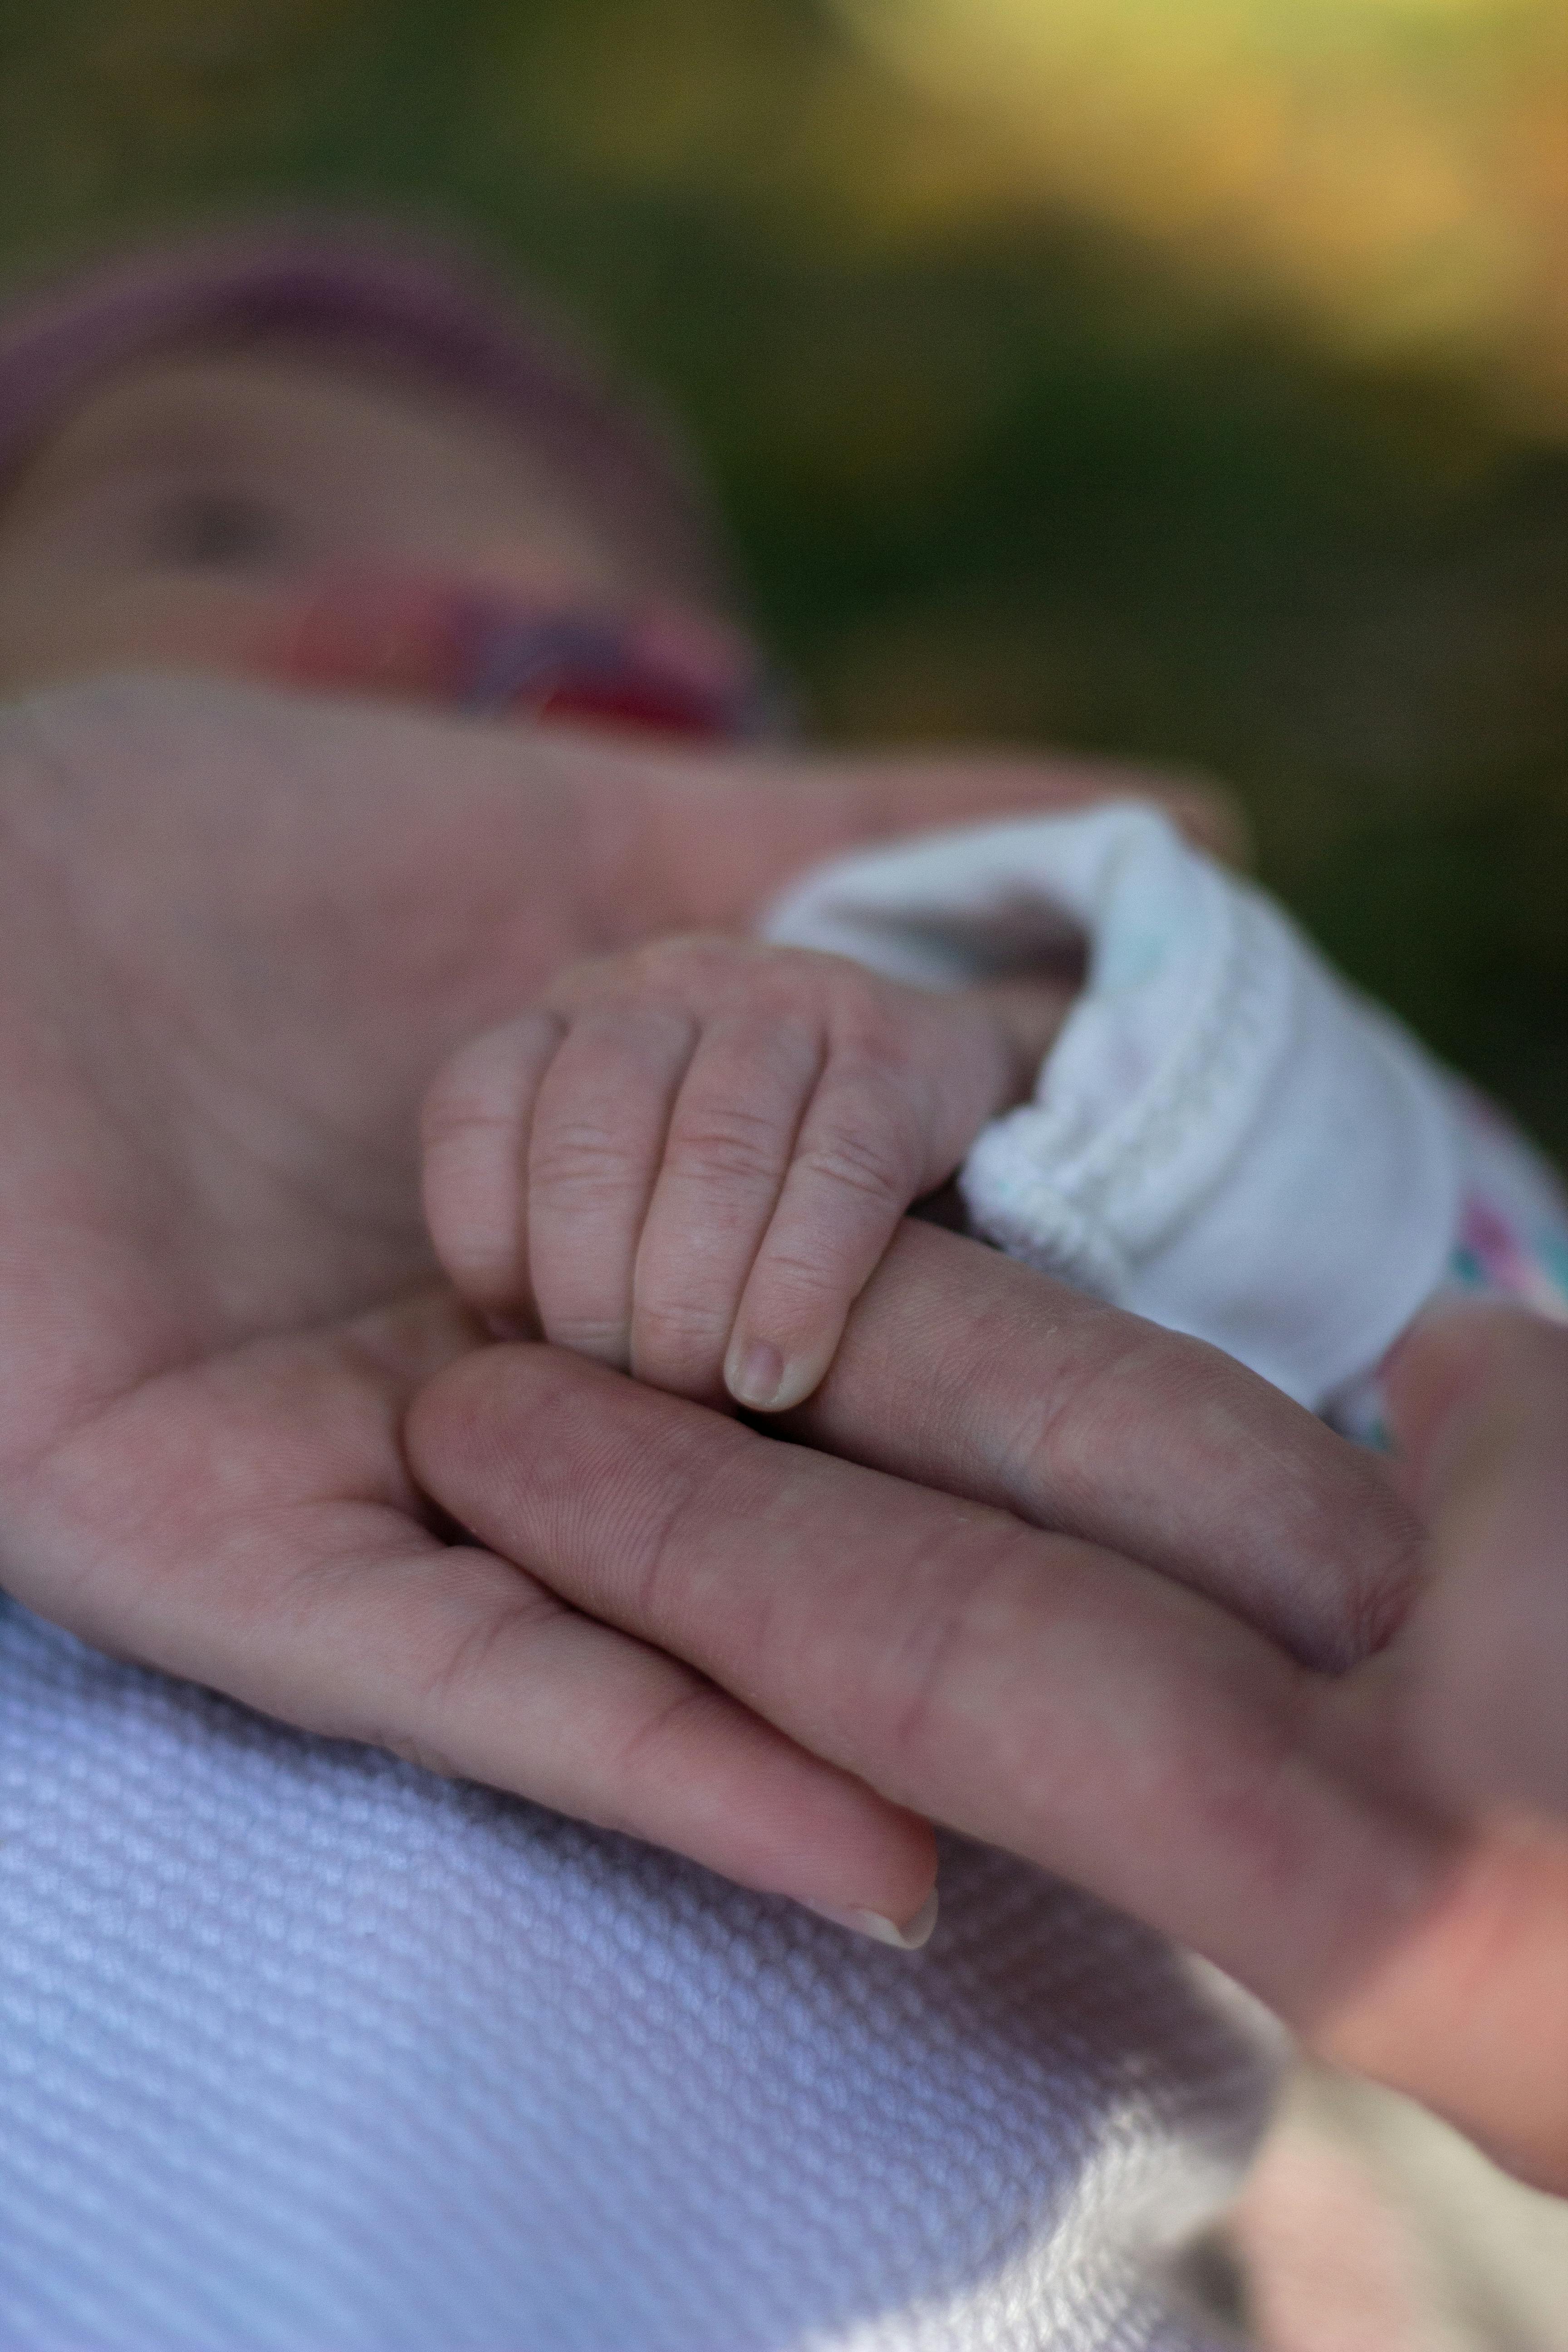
<point>687,1161</point>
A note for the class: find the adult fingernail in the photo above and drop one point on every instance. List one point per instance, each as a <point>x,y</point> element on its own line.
<point>756,1380</point>
<point>881,1929</point>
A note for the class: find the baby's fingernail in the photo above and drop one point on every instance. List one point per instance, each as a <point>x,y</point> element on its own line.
<point>754,1375</point>
<point>881,1930</point>
<point>759,1377</point>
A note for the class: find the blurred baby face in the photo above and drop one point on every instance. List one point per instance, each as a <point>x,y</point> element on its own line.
<point>276,513</point>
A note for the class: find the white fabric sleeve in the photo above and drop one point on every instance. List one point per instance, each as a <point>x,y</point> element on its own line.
<point>1224,1138</point>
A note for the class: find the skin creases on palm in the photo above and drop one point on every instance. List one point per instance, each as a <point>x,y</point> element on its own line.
<point>230,955</point>
<point>238,932</point>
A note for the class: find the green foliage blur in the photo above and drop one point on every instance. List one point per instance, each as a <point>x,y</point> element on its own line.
<point>998,467</point>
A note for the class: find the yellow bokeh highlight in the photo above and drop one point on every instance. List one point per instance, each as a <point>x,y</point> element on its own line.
<point>1395,170</point>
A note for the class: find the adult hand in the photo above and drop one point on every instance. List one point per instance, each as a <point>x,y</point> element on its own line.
<point>1479,1397</point>
<point>237,932</point>
<point>1163,1633</point>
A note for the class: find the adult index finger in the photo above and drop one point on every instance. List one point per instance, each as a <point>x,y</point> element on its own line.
<point>1033,1689</point>
<point>671,856</point>
<point>963,1370</point>
<point>1014,1388</point>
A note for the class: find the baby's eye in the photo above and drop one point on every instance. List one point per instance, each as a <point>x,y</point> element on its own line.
<point>225,529</point>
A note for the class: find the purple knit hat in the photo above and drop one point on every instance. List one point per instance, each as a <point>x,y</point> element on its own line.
<point>362,284</point>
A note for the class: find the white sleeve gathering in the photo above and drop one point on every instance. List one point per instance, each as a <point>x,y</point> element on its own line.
<point>1225,1137</point>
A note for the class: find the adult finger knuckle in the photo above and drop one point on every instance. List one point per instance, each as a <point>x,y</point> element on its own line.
<point>977,1612</point>
<point>1329,1600</point>
<point>657,1751</point>
<point>494,1643</point>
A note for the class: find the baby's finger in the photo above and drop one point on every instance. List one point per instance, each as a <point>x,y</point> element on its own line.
<point>597,1134</point>
<point>860,1159</point>
<point>731,1133</point>
<point>474,1128</point>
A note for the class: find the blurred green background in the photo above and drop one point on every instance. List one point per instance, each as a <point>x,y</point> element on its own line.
<point>1180,378</point>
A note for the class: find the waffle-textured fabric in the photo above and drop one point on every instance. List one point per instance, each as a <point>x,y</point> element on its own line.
<point>306,2050</point>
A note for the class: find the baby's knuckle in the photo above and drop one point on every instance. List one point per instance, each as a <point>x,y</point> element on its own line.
<point>493,1647</point>
<point>777,1039</point>
<point>870,1021</point>
<point>603,1336</point>
<point>453,1113</point>
<point>732,1145</point>
<point>650,1033</point>
<point>694,963</point>
<point>676,1323</point>
<point>879,1069</point>
<point>579,1161</point>
<point>581,973</point>
<point>797,1281</point>
<point>868,1161</point>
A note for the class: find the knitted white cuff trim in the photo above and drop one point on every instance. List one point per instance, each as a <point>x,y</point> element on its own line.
<point>1223,1136</point>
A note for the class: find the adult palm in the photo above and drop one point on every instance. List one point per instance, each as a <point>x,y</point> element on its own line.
<point>238,931</point>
